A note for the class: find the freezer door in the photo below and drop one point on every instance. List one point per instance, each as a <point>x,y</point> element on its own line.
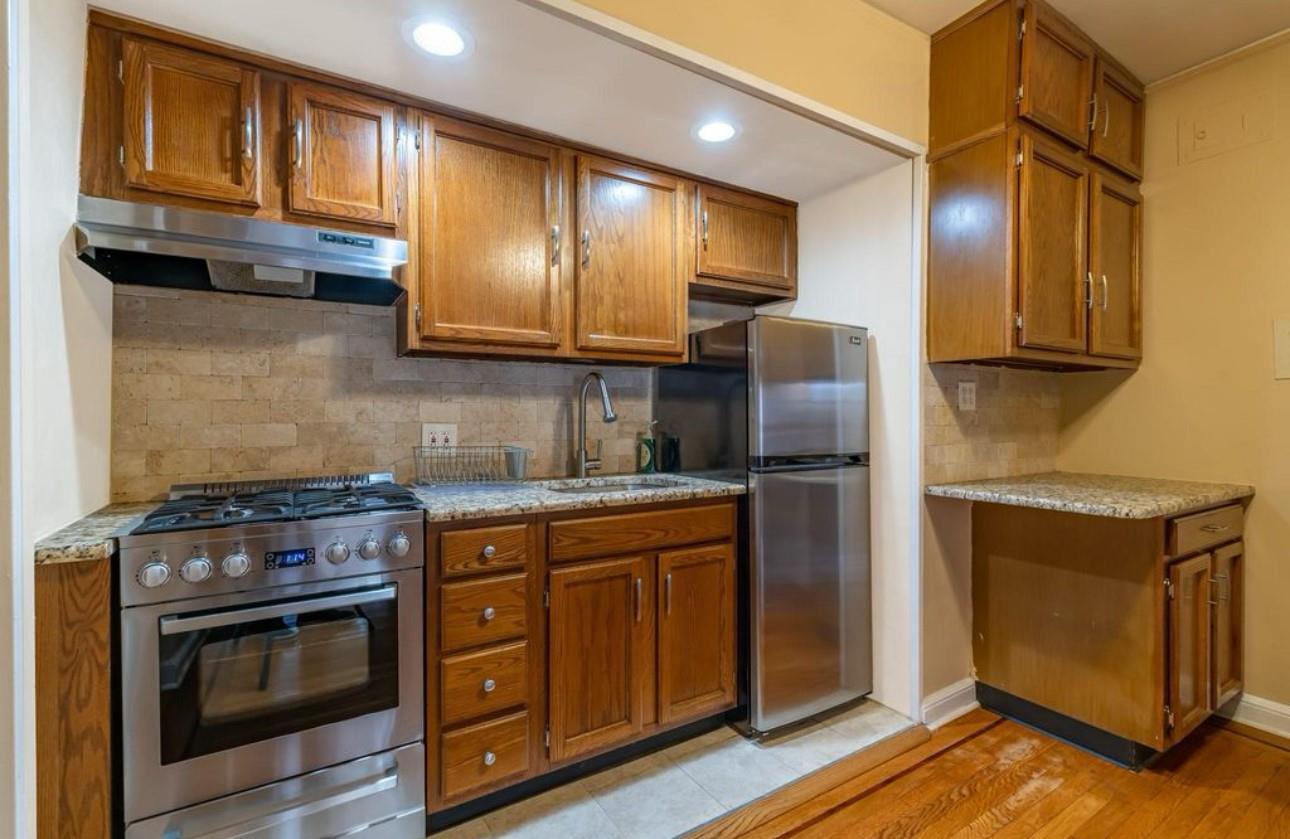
<point>811,616</point>
<point>808,383</point>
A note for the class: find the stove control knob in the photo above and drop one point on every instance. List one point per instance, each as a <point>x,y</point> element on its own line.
<point>399,544</point>
<point>369,548</point>
<point>197,569</point>
<point>236,564</point>
<point>337,552</point>
<point>154,574</point>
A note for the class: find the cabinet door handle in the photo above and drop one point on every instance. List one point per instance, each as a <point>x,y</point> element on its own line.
<point>1106,126</point>
<point>1106,295</point>
<point>637,598</point>
<point>705,230</point>
<point>298,143</point>
<point>248,134</point>
<point>555,244</point>
<point>1092,117</point>
<point>667,593</point>
<point>586,248</point>
<point>1088,290</point>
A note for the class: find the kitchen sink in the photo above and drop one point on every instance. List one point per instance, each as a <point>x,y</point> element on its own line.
<point>617,486</point>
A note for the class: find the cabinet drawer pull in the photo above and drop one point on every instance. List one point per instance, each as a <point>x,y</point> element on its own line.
<point>489,613</point>
<point>298,144</point>
<point>489,685</point>
<point>1215,528</point>
<point>248,135</point>
<point>489,758</point>
<point>637,598</point>
<point>489,551</point>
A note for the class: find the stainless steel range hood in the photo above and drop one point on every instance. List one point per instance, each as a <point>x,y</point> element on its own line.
<point>147,244</point>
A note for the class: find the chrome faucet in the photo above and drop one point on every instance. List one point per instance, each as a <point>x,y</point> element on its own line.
<point>587,463</point>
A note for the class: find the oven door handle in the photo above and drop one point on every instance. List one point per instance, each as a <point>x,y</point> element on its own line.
<point>172,625</point>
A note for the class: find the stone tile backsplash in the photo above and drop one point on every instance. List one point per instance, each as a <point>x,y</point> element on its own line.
<point>209,386</point>
<point>1013,430</point>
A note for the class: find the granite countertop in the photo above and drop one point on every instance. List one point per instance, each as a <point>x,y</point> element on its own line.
<point>1113,496</point>
<point>93,537</point>
<point>456,503</point>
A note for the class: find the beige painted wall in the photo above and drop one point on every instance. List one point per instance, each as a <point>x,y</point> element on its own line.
<point>1217,273</point>
<point>842,53</point>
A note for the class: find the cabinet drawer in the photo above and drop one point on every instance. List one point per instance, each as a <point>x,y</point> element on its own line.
<point>481,683</point>
<point>482,611</point>
<point>1200,530</point>
<point>483,755</point>
<point>463,552</point>
<point>635,532</point>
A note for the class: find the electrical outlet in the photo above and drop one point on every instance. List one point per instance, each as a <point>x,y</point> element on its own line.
<point>967,396</point>
<point>438,434</point>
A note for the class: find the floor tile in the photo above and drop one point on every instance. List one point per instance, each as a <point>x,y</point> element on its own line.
<point>566,812</point>
<point>623,772</point>
<point>868,723</point>
<point>717,736</point>
<point>734,771</point>
<point>661,802</point>
<point>811,748</point>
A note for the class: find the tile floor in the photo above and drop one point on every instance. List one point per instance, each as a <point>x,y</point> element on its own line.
<point>679,788</point>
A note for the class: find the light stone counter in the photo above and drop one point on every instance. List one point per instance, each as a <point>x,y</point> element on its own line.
<point>1113,496</point>
<point>93,537</point>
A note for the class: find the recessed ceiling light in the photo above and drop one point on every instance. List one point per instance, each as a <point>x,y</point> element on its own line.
<point>715,131</point>
<point>439,39</point>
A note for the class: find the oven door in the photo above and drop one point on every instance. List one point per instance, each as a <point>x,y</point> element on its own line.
<point>222,694</point>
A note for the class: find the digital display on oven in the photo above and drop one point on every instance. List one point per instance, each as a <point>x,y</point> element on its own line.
<point>293,558</point>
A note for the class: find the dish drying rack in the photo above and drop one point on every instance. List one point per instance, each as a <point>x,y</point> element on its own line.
<point>481,464</point>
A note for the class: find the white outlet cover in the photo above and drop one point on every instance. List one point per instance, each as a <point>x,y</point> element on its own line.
<point>967,396</point>
<point>1281,349</point>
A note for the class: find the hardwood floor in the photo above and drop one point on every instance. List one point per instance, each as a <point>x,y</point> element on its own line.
<point>983,776</point>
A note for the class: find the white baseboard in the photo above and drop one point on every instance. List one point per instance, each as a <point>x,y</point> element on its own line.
<point>948,703</point>
<point>1257,712</point>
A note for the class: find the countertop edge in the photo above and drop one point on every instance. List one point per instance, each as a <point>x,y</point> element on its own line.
<point>983,495</point>
<point>573,503</point>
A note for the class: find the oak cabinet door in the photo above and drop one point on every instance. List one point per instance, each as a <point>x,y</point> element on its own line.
<point>696,632</point>
<point>192,124</point>
<point>1119,106</point>
<point>632,263</point>
<point>343,158</point>
<point>1056,75</point>
<point>489,232</point>
<point>1229,645</point>
<point>1189,644</point>
<point>747,239</point>
<point>600,646</point>
<point>1115,266</point>
<point>1052,276</point>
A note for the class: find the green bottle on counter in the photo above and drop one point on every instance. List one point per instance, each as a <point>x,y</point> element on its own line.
<point>645,448</point>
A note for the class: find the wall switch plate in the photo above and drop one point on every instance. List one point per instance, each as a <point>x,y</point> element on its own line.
<point>1281,349</point>
<point>967,396</point>
<point>438,434</point>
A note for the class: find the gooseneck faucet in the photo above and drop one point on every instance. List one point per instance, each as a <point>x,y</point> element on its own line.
<point>587,463</point>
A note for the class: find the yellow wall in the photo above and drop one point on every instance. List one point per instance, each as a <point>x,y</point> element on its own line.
<point>1205,405</point>
<point>842,53</point>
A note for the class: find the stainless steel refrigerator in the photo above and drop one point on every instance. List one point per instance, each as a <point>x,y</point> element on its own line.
<point>783,405</point>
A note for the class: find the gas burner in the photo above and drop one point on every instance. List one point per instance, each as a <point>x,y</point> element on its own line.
<point>269,504</point>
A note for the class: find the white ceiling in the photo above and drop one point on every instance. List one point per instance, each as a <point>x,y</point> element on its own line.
<point>1153,38</point>
<point>534,69</point>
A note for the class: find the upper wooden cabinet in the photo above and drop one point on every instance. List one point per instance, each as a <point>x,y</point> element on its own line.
<point>747,246</point>
<point>489,267</point>
<point>191,124</point>
<point>342,159</point>
<point>630,295</point>
<point>1119,107</point>
<point>1026,212</point>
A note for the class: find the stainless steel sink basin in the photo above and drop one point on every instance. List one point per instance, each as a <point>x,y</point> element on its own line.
<point>617,486</point>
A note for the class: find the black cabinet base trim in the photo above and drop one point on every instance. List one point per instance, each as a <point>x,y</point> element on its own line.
<point>1104,744</point>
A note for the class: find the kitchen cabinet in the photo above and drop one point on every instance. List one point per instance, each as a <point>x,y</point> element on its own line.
<point>342,154</point>
<point>600,646</point>
<point>632,275</point>
<point>490,230</point>
<point>1028,196</point>
<point>1190,640</point>
<point>1228,569</point>
<point>191,124</point>
<point>747,246</point>
<point>628,631</point>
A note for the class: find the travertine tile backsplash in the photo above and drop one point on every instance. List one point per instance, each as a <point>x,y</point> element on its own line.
<point>1013,430</point>
<point>210,386</point>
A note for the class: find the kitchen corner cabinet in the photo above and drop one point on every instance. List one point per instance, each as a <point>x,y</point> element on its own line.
<point>747,247</point>
<point>1132,626</point>
<point>1034,252</point>
<point>561,636</point>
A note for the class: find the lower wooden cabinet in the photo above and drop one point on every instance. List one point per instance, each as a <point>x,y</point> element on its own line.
<point>1189,645</point>
<point>561,636</point>
<point>1228,678</point>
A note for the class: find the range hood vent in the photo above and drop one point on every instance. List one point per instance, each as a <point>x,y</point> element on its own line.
<point>147,244</point>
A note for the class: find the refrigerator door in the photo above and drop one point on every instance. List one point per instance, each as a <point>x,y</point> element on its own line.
<point>811,616</point>
<point>808,385</point>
